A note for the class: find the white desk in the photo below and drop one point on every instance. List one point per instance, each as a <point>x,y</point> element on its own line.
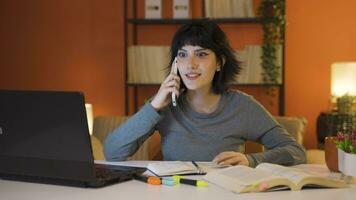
<point>12,190</point>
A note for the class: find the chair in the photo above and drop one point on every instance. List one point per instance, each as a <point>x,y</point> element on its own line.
<point>103,125</point>
<point>294,126</point>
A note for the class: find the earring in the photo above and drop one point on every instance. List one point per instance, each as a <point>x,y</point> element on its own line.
<point>218,69</point>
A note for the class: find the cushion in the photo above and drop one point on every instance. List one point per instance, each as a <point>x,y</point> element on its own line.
<point>295,126</point>
<point>97,148</point>
<point>103,126</point>
<point>315,156</point>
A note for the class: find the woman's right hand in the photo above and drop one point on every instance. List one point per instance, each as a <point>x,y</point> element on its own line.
<point>169,85</point>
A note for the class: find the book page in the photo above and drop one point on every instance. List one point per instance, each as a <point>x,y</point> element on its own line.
<point>321,177</point>
<point>245,179</point>
<point>293,174</point>
<point>320,171</point>
<point>171,167</point>
<point>244,175</point>
<point>304,175</point>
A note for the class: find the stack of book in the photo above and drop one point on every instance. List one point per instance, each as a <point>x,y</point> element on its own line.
<point>250,58</point>
<point>147,64</point>
<point>229,8</point>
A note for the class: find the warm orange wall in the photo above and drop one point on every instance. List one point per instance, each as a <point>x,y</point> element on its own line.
<point>64,45</point>
<point>78,45</point>
<point>318,33</point>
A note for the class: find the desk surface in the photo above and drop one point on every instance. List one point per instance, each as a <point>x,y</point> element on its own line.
<point>13,190</point>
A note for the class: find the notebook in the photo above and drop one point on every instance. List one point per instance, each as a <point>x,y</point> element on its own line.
<point>44,137</point>
<point>169,168</point>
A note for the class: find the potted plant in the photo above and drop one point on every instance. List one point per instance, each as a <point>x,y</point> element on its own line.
<point>346,144</point>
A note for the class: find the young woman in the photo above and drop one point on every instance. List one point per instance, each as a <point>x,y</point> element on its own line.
<point>209,122</point>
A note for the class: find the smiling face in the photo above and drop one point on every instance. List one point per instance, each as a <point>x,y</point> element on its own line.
<point>197,67</point>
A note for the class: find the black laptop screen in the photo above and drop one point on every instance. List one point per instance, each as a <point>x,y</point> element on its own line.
<point>44,125</point>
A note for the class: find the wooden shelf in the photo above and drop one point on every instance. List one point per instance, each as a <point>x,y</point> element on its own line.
<point>134,20</point>
<point>244,84</point>
<point>183,21</point>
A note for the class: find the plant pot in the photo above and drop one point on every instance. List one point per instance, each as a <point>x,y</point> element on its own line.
<point>347,163</point>
<point>331,154</point>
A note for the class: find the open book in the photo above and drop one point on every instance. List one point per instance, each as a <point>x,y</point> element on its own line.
<point>167,168</point>
<point>267,177</point>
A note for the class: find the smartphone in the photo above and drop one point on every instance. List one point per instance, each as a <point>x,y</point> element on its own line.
<point>175,71</point>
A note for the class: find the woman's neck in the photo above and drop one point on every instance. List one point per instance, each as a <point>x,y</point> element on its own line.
<point>203,101</point>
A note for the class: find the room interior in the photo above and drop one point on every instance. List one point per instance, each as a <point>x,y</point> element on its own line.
<point>79,46</point>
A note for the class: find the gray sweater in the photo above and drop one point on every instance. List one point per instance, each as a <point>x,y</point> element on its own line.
<point>188,135</point>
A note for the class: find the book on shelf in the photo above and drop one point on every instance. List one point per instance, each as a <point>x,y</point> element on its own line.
<point>229,8</point>
<point>147,64</point>
<point>251,65</point>
<point>251,68</point>
<point>254,61</point>
<point>153,9</point>
<point>221,9</point>
<point>181,9</point>
<point>270,177</point>
<point>248,8</point>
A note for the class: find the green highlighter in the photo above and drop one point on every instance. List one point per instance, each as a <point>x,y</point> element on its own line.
<point>198,183</point>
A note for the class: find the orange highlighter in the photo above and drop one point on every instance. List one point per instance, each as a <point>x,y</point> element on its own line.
<point>153,180</point>
<point>149,179</point>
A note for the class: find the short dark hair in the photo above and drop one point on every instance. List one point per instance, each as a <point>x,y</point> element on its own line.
<point>207,34</point>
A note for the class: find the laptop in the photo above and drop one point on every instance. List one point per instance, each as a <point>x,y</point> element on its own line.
<point>44,137</point>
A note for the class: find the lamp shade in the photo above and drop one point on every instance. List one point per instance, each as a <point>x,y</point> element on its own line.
<point>343,79</point>
<point>90,117</point>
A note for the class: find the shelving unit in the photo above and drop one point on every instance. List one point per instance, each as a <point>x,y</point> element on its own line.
<point>132,23</point>
<point>183,21</point>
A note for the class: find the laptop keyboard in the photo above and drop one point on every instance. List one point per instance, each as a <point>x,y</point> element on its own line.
<point>110,173</point>
<point>105,173</point>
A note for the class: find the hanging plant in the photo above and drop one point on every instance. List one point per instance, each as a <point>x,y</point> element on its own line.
<point>272,14</point>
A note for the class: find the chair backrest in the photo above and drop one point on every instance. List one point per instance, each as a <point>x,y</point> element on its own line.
<point>104,125</point>
<point>295,126</point>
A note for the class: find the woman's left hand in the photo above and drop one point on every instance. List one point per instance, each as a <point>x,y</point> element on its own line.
<point>231,158</point>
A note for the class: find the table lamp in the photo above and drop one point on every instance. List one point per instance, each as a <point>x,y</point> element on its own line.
<point>343,85</point>
<point>90,118</point>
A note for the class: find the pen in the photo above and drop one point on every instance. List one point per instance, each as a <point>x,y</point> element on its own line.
<point>175,71</point>
<point>198,183</point>
<point>200,171</point>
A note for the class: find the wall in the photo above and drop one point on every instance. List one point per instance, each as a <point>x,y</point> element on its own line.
<point>64,45</point>
<point>78,45</point>
<point>317,34</point>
